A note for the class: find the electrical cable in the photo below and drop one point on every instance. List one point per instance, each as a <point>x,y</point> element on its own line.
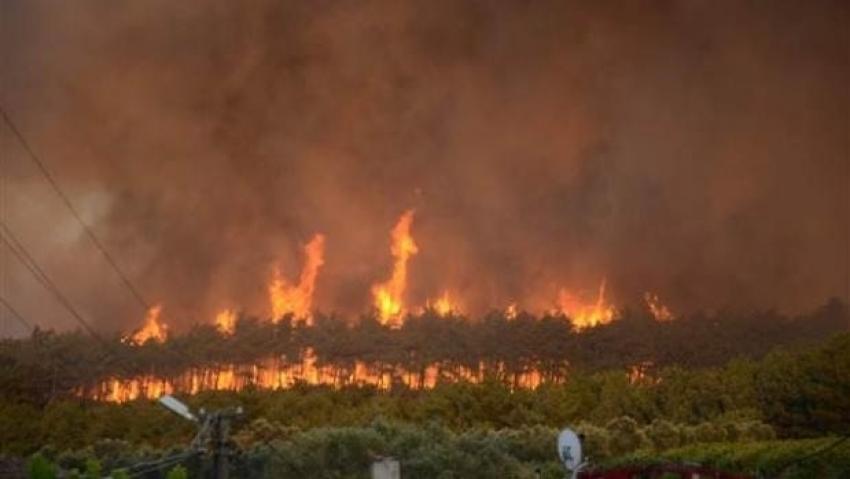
<point>781,469</point>
<point>160,464</point>
<point>67,201</point>
<point>26,259</point>
<point>29,262</point>
<point>16,314</point>
<point>38,272</point>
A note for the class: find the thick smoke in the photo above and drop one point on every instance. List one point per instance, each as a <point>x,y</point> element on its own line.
<point>697,149</point>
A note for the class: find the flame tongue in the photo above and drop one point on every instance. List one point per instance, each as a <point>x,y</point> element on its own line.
<point>225,321</point>
<point>443,306</point>
<point>389,296</point>
<point>297,299</point>
<point>585,315</point>
<point>658,309</point>
<point>152,329</point>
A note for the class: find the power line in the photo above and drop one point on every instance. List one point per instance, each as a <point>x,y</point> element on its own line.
<point>57,365</point>
<point>109,259</point>
<point>818,452</point>
<point>32,265</point>
<point>16,314</point>
<point>29,262</point>
<point>146,468</point>
<point>27,324</point>
<point>25,259</point>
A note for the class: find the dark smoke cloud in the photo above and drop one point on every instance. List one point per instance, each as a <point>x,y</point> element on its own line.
<point>698,149</point>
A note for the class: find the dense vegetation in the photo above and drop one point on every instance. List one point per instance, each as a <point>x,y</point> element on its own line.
<point>433,451</point>
<point>709,381</point>
<point>47,366</point>
<point>271,450</point>
<point>802,458</point>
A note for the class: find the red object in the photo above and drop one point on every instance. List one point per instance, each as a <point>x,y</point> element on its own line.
<point>650,472</point>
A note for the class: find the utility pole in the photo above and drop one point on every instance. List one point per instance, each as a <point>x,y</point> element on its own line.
<point>221,442</point>
<point>213,433</point>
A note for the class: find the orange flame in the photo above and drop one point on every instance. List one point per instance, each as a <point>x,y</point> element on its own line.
<point>389,296</point>
<point>153,329</point>
<point>585,315</point>
<point>298,299</point>
<point>444,305</point>
<point>658,309</point>
<point>273,374</point>
<point>225,321</point>
<point>511,311</point>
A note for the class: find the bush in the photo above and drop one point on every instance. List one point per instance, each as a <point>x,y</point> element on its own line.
<point>663,435</point>
<point>710,432</point>
<point>823,458</point>
<point>178,472</point>
<point>595,442</point>
<point>40,468</point>
<point>624,436</point>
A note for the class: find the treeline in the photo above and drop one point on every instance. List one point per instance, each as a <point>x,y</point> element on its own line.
<point>795,393</point>
<point>48,365</point>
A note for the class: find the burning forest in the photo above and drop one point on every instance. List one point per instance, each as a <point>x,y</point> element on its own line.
<point>457,216</point>
<point>290,308</point>
<point>427,348</point>
<point>295,299</point>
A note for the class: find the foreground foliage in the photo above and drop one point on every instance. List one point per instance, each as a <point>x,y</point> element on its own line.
<point>726,415</point>
<point>273,451</point>
<point>804,458</point>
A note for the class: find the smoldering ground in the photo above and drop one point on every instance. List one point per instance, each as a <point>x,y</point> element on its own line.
<point>697,149</point>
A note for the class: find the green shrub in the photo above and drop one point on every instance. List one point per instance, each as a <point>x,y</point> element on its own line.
<point>595,443</point>
<point>40,468</point>
<point>624,436</point>
<point>790,458</point>
<point>663,435</point>
<point>178,472</point>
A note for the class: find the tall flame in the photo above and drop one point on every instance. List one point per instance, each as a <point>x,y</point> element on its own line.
<point>658,309</point>
<point>443,305</point>
<point>297,299</point>
<point>585,315</point>
<point>225,321</point>
<point>389,296</point>
<point>153,329</point>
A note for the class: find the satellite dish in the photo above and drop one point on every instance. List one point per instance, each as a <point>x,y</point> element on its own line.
<point>177,407</point>
<point>569,449</point>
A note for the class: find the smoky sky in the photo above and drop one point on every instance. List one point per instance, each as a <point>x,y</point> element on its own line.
<point>697,149</point>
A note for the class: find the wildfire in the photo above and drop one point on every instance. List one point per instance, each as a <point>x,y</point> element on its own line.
<point>153,329</point>
<point>511,311</point>
<point>444,305</point>
<point>225,321</point>
<point>272,374</point>
<point>659,311</point>
<point>297,299</point>
<point>585,315</point>
<point>288,298</point>
<point>389,296</point>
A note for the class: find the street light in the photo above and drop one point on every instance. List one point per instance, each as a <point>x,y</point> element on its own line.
<point>177,407</point>
<point>213,431</point>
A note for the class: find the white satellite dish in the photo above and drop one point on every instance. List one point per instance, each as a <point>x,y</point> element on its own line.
<point>569,450</point>
<point>177,407</point>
